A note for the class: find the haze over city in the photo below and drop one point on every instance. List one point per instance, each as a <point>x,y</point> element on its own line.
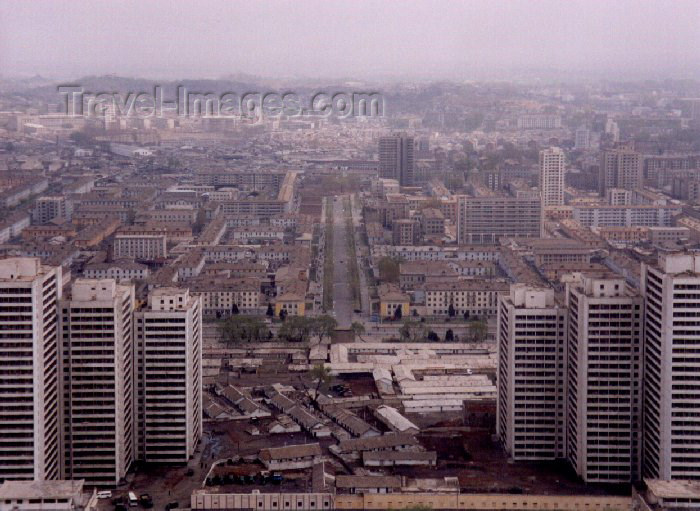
<point>349,255</point>
<point>371,40</point>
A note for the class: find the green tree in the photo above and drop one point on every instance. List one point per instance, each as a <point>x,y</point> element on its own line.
<point>255,329</point>
<point>451,311</point>
<point>389,269</point>
<point>478,330</point>
<point>358,329</point>
<point>173,163</point>
<point>270,311</point>
<point>398,313</point>
<point>236,329</point>
<point>323,326</point>
<point>200,221</point>
<point>322,375</point>
<point>296,328</point>
<point>449,336</point>
<point>412,331</point>
<point>231,331</point>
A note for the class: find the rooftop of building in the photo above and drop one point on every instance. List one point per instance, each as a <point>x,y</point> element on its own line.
<point>677,489</point>
<point>41,489</point>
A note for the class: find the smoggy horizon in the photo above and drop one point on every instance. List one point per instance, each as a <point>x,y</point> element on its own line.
<point>351,40</point>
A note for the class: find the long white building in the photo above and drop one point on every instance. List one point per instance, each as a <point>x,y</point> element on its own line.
<point>625,216</point>
<point>98,368</point>
<point>530,418</point>
<point>671,444</point>
<point>29,369</point>
<point>140,247</point>
<point>169,382</point>
<point>603,381</point>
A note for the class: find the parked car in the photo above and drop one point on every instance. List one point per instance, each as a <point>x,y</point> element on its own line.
<point>145,500</point>
<point>104,494</point>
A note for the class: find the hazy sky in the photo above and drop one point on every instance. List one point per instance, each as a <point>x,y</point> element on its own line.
<point>352,39</point>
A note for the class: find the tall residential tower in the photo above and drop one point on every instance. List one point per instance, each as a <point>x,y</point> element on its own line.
<point>396,159</point>
<point>621,167</point>
<point>98,369</point>
<point>530,404</point>
<point>604,380</point>
<point>671,288</point>
<point>169,381</point>
<point>552,162</point>
<point>29,369</point>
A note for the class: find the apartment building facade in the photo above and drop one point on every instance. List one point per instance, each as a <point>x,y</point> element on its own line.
<point>671,441</point>
<point>396,159</point>
<point>604,364</point>
<point>98,370</point>
<point>531,334</point>
<point>620,168</point>
<point>29,369</point>
<point>169,376</point>
<point>552,165</point>
<point>140,247</point>
<point>487,219</point>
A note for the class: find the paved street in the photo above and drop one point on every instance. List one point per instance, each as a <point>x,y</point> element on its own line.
<point>364,288</point>
<point>170,484</point>
<point>342,294</point>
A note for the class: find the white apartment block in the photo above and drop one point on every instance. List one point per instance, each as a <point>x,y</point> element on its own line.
<point>404,232</point>
<point>169,381</point>
<point>98,370</point>
<point>438,253</point>
<point>474,297</point>
<point>582,138</point>
<point>487,219</point>
<point>49,207</point>
<point>145,247</point>
<point>181,215</point>
<point>396,159</point>
<point>552,164</point>
<point>119,271</point>
<point>29,369</point>
<point>220,295</point>
<point>671,442</point>
<point>620,168</point>
<point>618,197</point>
<point>603,380</point>
<point>257,234</point>
<point>625,216</point>
<point>530,418</point>
<point>539,122</point>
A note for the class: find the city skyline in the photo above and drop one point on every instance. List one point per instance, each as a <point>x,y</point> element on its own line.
<point>303,255</point>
